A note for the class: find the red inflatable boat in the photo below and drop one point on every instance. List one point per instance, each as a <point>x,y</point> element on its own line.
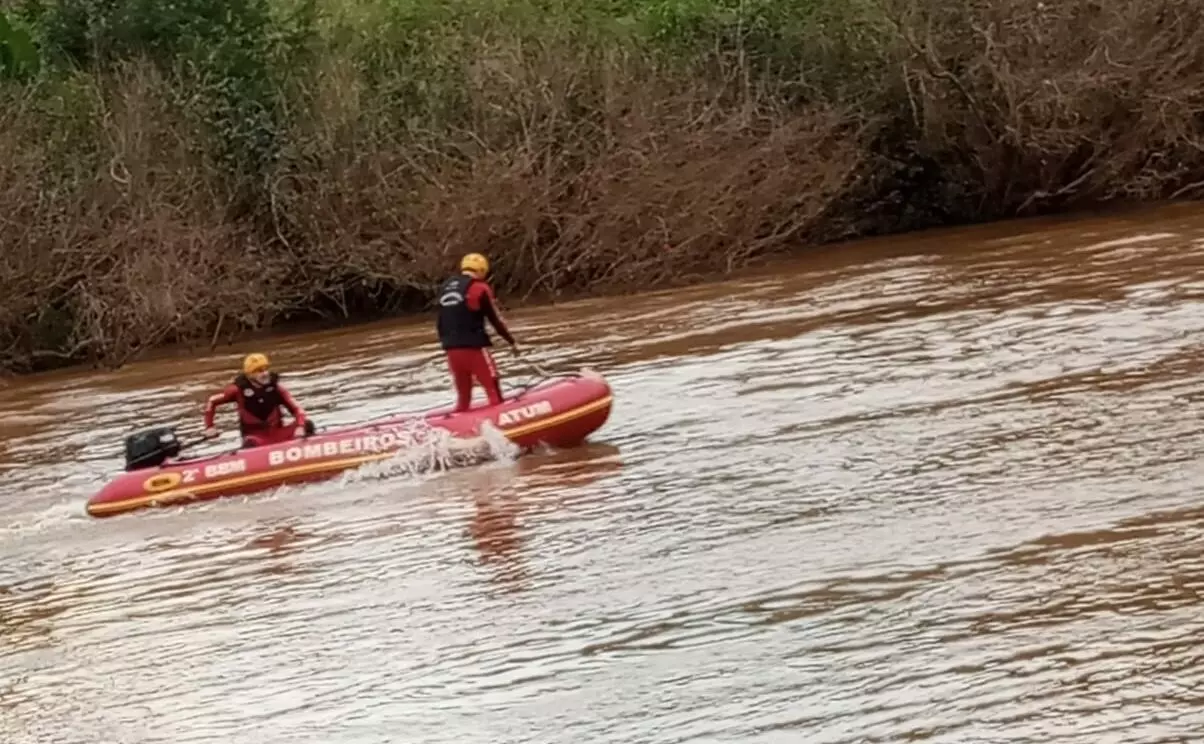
<point>561,412</point>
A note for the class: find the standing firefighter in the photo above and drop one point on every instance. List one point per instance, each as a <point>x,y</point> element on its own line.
<point>465,301</point>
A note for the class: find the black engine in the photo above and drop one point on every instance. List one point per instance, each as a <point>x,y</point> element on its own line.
<point>150,448</point>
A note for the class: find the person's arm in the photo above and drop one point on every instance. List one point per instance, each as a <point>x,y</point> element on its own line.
<point>299,416</point>
<point>487,303</point>
<point>229,394</point>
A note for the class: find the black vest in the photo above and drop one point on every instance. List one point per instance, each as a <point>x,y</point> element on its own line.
<point>260,402</point>
<point>458,326</point>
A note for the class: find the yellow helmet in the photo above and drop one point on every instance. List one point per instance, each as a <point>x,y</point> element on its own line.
<point>254,363</point>
<point>475,263</point>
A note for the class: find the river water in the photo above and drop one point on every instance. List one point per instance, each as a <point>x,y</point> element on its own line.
<point>942,488</point>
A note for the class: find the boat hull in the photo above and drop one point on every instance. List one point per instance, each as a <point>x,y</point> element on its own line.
<point>560,413</point>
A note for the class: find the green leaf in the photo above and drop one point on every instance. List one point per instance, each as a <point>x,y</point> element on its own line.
<point>19,58</point>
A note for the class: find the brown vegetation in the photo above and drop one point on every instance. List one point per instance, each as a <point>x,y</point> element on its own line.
<point>1030,106</point>
<point>103,263</point>
<point>574,167</point>
<point>663,180</point>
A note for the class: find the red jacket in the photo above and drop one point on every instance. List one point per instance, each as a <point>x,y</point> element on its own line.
<point>259,406</point>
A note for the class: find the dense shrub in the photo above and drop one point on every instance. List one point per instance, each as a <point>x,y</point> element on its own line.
<point>182,171</point>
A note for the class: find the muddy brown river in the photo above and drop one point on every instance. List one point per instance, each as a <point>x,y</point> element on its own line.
<point>944,488</point>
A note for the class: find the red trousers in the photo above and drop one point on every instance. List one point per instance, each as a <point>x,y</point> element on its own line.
<point>466,364</point>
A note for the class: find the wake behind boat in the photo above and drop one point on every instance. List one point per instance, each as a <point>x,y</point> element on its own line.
<point>560,412</point>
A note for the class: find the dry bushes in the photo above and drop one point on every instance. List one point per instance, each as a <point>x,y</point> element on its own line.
<point>1033,106</point>
<point>114,246</point>
<point>568,185</point>
<point>317,170</point>
<point>574,177</point>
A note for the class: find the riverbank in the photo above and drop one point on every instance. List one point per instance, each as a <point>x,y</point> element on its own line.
<point>199,175</point>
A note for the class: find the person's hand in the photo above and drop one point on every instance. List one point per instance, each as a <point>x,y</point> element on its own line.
<point>514,348</point>
<point>212,433</point>
<point>300,433</point>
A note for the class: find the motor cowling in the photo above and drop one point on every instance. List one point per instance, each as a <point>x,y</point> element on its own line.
<point>150,448</point>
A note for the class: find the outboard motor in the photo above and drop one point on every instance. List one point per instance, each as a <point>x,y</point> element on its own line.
<point>150,448</point>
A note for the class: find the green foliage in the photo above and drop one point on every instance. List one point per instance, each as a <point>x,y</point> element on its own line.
<point>243,67</point>
<point>19,57</point>
<point>230,60</point>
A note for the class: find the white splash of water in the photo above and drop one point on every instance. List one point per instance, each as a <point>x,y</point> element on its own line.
<point>426,449</point>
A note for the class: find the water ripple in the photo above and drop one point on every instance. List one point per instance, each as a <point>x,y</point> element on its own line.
<point>946,497</point>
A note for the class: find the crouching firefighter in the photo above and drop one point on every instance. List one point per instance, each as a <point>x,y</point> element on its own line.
<point>261,400</point>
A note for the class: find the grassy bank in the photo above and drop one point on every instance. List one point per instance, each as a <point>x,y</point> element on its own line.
<point>186,171</point>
